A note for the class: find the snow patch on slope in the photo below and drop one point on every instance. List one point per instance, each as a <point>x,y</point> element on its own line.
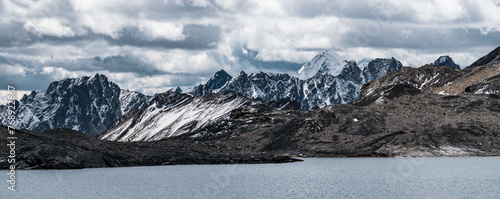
<point>159,121</point>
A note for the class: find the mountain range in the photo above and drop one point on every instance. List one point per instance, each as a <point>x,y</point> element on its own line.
<point>95,105</point>
<point>323,81</point>
<point>427,111</point>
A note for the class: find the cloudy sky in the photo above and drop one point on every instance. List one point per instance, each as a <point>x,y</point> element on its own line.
<point>151,46</point>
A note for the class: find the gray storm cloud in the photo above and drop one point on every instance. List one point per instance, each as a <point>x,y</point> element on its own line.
<point>159,45</point>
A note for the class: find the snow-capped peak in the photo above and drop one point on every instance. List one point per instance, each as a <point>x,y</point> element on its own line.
<point>324,63</point>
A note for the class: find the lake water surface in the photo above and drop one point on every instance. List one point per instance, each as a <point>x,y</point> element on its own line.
<point>467,177</point>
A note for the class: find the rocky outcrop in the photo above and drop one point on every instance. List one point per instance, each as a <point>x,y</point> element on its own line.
<point>377,68</point>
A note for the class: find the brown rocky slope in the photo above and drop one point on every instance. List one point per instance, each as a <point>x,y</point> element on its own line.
<point>426,111</point>
<point>405,113</point>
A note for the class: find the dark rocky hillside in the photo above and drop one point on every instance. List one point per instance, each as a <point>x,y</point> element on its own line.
<point>68,149</point>
<point>490,57</point>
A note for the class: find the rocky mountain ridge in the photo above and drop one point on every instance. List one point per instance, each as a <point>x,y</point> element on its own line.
<point>87,104</point>
<point>320,89</point>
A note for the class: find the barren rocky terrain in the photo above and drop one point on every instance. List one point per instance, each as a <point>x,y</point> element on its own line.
<point>67,149</point>
<point>412,112</point>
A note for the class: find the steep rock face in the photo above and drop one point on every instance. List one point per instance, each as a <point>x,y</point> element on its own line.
<point>87,104</point>
<point>489,58</point>
<point>171,114</point>
<point>322,90</point>
<point>266,86</point>
<point>216,82</point>
<point>446,61</point>
<point>377,68</point>
<point>131,100</point>
<point>351,72</point>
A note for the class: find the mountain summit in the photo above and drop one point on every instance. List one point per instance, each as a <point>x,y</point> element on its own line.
<point>446,61</point>
<point>323,63</point>
<point>217,81</point>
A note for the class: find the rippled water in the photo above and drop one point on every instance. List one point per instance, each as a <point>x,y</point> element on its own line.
<point>471,177</point>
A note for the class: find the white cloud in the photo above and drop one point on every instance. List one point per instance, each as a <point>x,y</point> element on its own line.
<point>49,26</point>
<point>414,32</point>
<point>286,54</point>
<point>180,61</point>
<point>58,73</point>
<point>16,69</point>
<point>4,95</point>
<point>164,30</point>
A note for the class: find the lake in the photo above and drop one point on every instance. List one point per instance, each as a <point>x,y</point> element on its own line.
<point>461,177</point>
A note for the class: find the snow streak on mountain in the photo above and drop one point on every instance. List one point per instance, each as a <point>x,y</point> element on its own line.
<point>172,114</point>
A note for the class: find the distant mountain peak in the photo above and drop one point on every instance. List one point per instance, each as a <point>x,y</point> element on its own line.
<point>325,62</point>
<point>446,60</point>
<point>217,81</point>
